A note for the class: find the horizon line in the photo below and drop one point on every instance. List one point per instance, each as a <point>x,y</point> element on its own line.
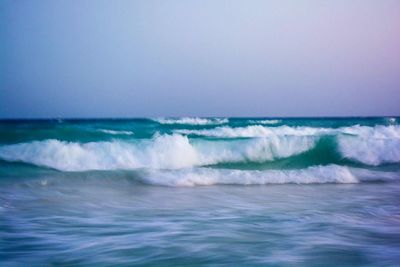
<point>205,117</point>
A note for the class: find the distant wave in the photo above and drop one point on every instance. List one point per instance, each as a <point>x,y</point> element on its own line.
<point>116,132</point>
<point>266,122</point>
<point>192,121</point>
<point>379,131</point>
<point>255,131</point>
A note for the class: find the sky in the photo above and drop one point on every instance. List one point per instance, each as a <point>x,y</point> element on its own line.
<point>94,58</point>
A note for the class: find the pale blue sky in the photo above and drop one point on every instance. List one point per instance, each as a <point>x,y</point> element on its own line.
<point>199,58</point>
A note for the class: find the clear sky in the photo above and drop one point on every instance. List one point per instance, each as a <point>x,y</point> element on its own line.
<point>199,58</point>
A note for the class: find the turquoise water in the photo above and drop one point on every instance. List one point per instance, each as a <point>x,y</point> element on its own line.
<point>200,192</point>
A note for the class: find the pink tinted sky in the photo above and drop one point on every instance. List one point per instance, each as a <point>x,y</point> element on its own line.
<point>199,58</point>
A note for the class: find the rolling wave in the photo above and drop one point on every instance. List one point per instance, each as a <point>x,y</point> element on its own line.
<point>162,152</point>
<point>366,145</point>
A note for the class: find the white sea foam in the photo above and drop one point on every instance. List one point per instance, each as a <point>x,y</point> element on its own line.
<point>392,121</point>
<point>377,132</point>
<point>163,151</point>
<point>371,145</point>
<point>367,145</point>
<point>114,132</point>
<point>252,150</point>
<point>208,176</point>
<point>192,121</point>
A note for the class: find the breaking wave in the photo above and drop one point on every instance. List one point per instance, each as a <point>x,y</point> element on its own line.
<point>162,152</point>
<point>370,151</point>
<point>392,121</point>
<point>368,145</point>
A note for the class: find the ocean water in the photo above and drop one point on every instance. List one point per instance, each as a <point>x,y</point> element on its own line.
<point>200,192</point>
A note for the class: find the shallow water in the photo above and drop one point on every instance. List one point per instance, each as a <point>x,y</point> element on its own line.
<point>64,221</point>
<point>200,192</point>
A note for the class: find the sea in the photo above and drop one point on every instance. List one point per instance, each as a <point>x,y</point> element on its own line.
<point>194,191</point>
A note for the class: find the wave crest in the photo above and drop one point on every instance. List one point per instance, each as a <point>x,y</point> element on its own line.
<point>367,145</point>
<point>162,152</point>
